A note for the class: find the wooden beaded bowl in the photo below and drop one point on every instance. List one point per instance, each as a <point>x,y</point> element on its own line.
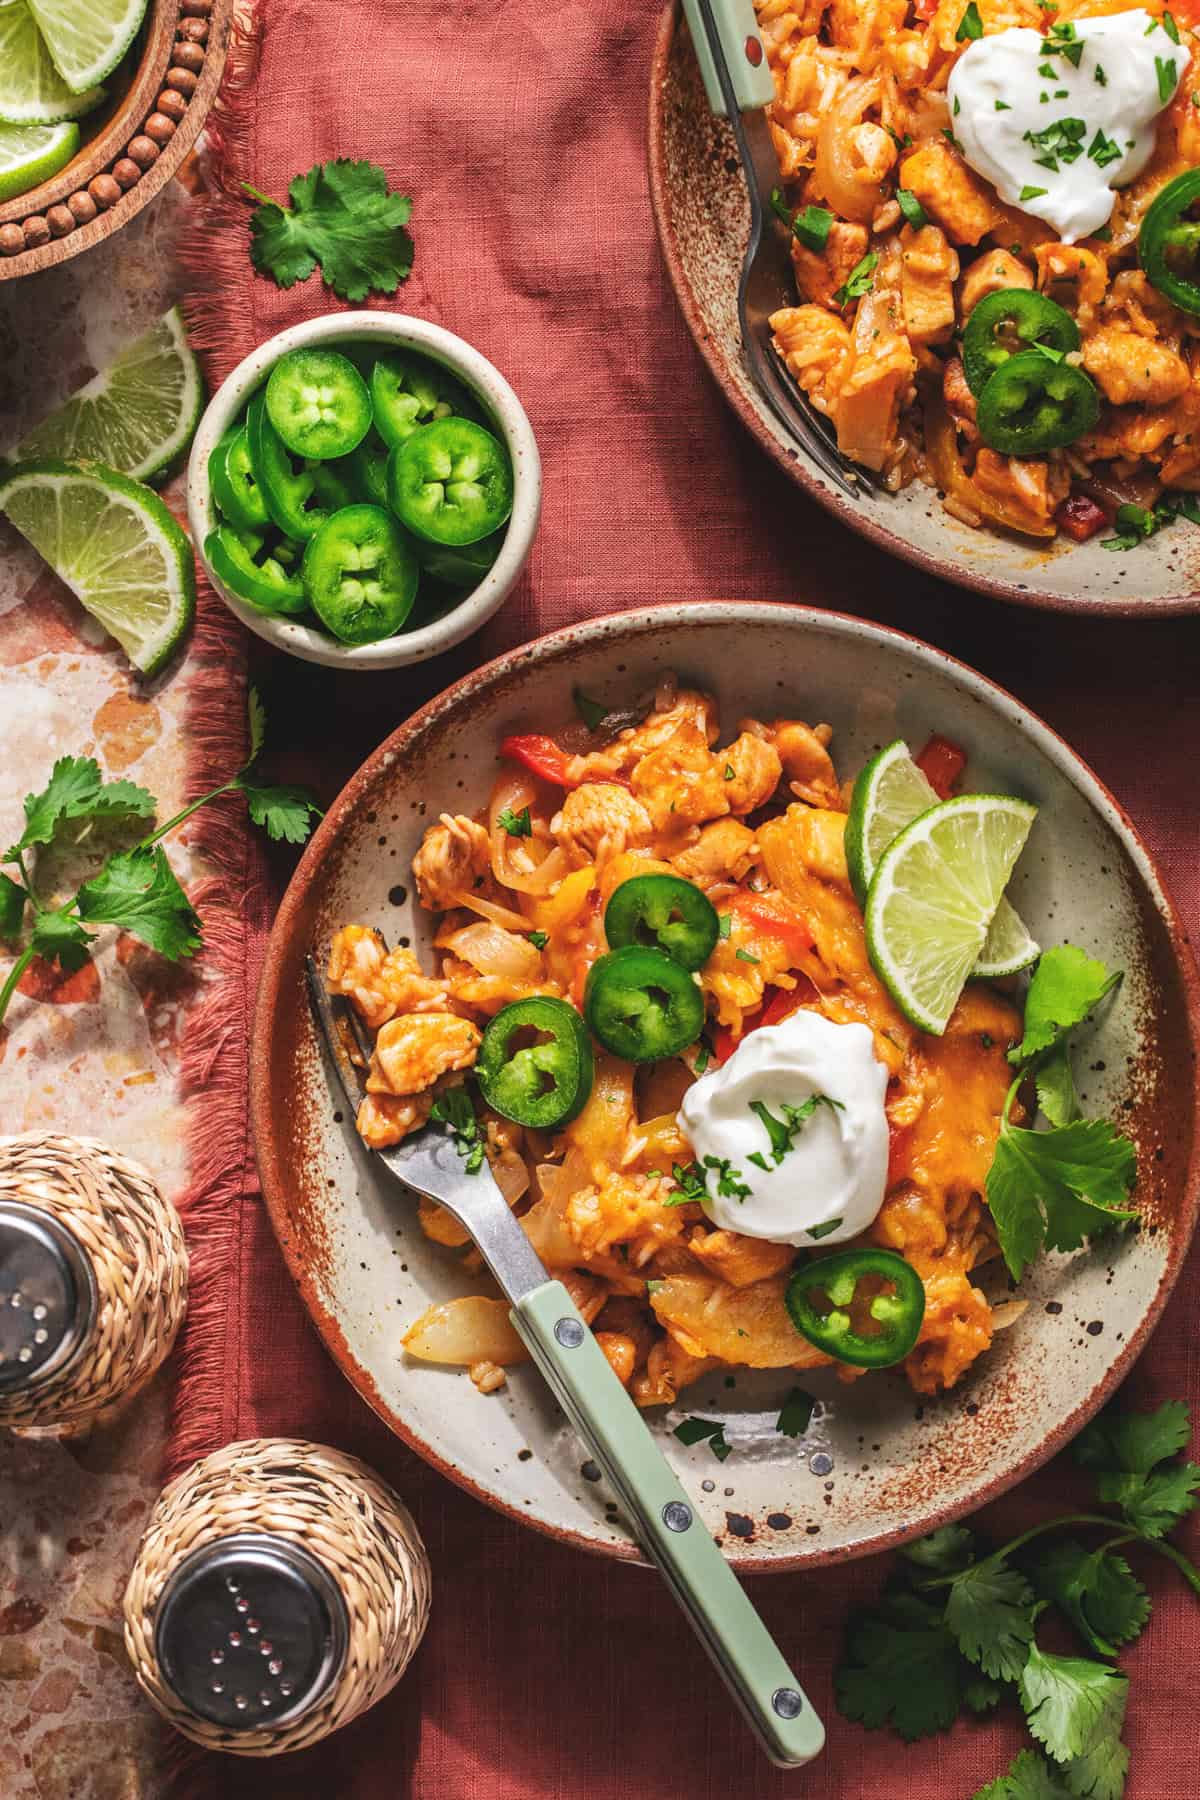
<point>138,146</point>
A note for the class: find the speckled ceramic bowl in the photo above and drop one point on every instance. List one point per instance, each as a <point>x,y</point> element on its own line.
<point>509,420</point>
<point>703,217</point>
<point>877,1464</point>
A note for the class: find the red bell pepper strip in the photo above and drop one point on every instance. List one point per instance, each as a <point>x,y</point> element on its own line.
<point>781,1005</point>
<point>773,915</point>
<point>941,763</point>
<point>540,755</point>
<point>899,1152</point>
<point>1081,517</point>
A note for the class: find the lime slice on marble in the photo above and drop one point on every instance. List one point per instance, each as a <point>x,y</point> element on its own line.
<point>32,92</point>
<point>87,38</point>
<point>934,895</point>
<point>136,416</point>
<point>115,545</point>
<point>890,792</point>
<point>32,153</point>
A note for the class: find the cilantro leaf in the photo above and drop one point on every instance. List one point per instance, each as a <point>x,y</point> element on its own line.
<point>1072,1705</point>
<point>60,938</point>
<point>592,712</point>
<point>990,1613</point>
<point>983,1693</point>
<point>12,906</point>
<point>1152,1503</point>
<point>1134,1441</point>
<point>1029,1777</point>
<point>257,716</point>
<point>138,891</point>
<point>859,281</point>
<point>76,790</point>
<point>1056,1090</point>
<point>901,1667</point>
<point>285,813</point>
<point>1096,1590</point>
<point>515,824</point>
<point>1099,1774</point>
<point>1066,986</point>
<point>795,1415</point>
<point>697,1431</point>
<point>942,1552</point>
<point>1057,1188</point>
<point>343,217</point>
<point>453,1109</point>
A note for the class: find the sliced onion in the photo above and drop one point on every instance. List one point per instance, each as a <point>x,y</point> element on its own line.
<point>516,789</point>
<point>493,951</point>
<point>834,177</point>
<point>465,1332</point>
<point>488,909</point>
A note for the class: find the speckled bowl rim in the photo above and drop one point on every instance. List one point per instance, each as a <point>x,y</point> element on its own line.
<point>961,573</point>
<point>273,1149</point>
<point>405,332</point>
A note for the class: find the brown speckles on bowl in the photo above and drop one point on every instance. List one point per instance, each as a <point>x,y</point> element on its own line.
<point>700,207</point>
<point>876,1465</point>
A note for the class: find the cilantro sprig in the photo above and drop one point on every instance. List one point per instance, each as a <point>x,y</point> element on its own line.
<point>136,888</point>
<point>957,1627</point>
<point>344,217</point>
<point>453,1109</point>
<point>1056,1188</point>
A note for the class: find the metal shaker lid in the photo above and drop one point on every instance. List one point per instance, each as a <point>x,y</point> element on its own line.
<point>47,1296</point>
<point>250,1631</point>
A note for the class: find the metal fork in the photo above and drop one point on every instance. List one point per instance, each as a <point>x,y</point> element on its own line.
<point>607,1420</point>
<point>739,84</point>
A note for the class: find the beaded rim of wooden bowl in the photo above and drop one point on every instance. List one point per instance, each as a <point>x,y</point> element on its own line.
<point>134,1241</point>
<point>121,169</point>
<point>338,1510</point>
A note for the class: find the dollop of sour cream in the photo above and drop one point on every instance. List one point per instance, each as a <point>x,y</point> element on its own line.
<point>1055,135</point>
<point>830,1183</point>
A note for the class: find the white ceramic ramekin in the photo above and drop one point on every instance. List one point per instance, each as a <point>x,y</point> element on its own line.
<point>391,331</point>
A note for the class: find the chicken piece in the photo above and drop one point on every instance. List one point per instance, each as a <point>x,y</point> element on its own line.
<point>1034,487</point>
<point>413,1050</point>
<point>683,783</point>
<point>993,272</point>
<point>669,1369</point>
<point>379,985</point>
<point>620,1353</point>
<point>956,1329</point>
<point>453,854</point>
<point>738,1259</point>
<point>872,151</point>
<point>1076,278</point>
<point>928,271</point>
<point>756,772</point>
<point>807,765</point>
<point>737,983</point>
<point>1131,369</point>
<point>385,1119</point>
<point>725,851</point>
<point>819,274</point>
<point>817,349</point>
<point>623,1209</point>
<point>960,401</point>
<point>673,709</point>
<point>868,406</point>
<point>440,1226</point>
<point>748,1325</point>
<point>952,194</point>
<point>1133,303</point>
<point>599,820</point>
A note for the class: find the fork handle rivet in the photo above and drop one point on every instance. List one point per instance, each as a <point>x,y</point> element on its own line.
<point>676,1515</point>
<point>787,1702</point>
<point>569,1333</point>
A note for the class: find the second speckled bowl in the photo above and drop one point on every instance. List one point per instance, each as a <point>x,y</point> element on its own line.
<point>877,1464</point>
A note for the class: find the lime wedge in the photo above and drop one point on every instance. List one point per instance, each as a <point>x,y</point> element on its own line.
<point>890,792</point>
<point>934,895</point>
<point>87,38</point>
<point>115,545</point>
<point>32,153</point>
<point>136,416</point>
<point>1008,947</point>
<point>32,92</point>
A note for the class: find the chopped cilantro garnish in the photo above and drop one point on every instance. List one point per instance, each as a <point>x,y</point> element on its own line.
<point>1170,27</point>
<point>702,1060</point>
<point>539,939</point>
<point>822,1231</point>
<point>1168,77</point>
<point>795,1415</point>
<point>590,711</point>
<point>1099,75</point>
<point>745,956</point>
<point>783,1131</point>
<point>811,225</point>
<point>454,1110</point>
<point>515,824</point>
<point>724,924</point>
<point>911,207</point>
<point>697,1431</point>
<point>729,1182</point>
<point>1104,150</point>
<point>858,282</point>
<point>729,771</point>
<point>970,25</point>
<point>1003,106</point>
<point>1032,193</point>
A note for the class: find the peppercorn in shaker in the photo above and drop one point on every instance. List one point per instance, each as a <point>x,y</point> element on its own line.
<point>280,1590</point>
<point>93,1279</point>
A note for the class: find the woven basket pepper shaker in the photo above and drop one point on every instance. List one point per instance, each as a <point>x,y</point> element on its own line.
<point>93,1279</point>
<point>280,1590</point>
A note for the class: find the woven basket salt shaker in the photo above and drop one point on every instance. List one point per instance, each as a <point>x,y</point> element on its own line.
<point>280,1590</point>
<point>93,1279</point>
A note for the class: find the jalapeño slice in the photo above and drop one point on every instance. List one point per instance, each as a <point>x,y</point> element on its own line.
<point>299,500</point>
<point>408,391</point>
<point>236,492</point>
<point>242,562</point>
<point>1169,242</point>
<point>1011,321</point>
<point>360,574</point>
<point>535,1063</point>
<point>1032,404</point>
<point>663,912</point>
<point>642,1005</point>
<point>897,1314</point>
<point>451,482</point>
<point>318,403</point>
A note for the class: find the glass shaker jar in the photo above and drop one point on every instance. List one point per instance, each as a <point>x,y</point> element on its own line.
<point>93,1279</point>
<point>280,1589</point>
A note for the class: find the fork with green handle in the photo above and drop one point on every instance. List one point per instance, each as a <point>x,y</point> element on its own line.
<point>607,1420</point>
